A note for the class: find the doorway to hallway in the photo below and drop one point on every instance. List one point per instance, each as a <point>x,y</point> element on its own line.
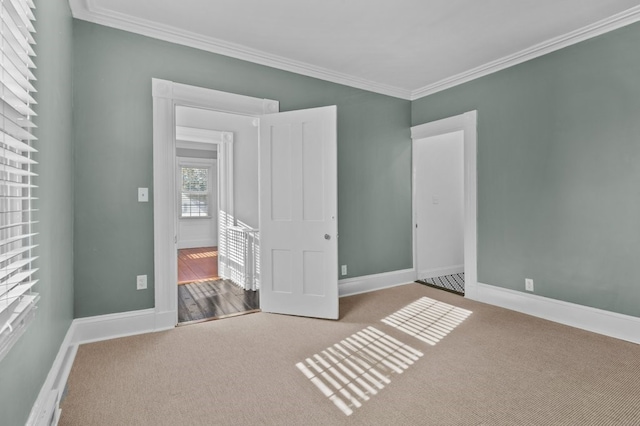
<point>439,210</point>
<point>312,138</point>
<point>444,167</point>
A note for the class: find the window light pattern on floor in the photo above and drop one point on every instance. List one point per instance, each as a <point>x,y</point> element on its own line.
<point>352,371</point>
<point>427,319</point>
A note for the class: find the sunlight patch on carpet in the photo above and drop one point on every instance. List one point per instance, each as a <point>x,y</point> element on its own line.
<point>427,319</point>
<point>352,371</point>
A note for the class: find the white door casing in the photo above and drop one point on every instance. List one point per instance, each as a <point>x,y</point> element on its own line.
<point>199,232</point>
<point>167,95</point>
<point>467,123</point>
<point>439,204</point>
<point>298,213</point>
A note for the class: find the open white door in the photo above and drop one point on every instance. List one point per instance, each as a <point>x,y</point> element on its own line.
<point>298,213</point>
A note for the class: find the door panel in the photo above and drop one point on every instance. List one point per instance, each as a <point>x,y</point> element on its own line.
<point>281,268</point>
<point>313,264</point>
<point>298,209</point>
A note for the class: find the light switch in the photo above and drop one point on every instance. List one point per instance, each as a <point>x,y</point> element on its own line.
<point>435,200</point>
<point>143,195</point>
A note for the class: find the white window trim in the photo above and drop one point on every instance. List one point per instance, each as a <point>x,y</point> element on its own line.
<point>200,163</point>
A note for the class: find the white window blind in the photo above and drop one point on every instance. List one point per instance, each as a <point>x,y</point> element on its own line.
<point>194,192</point>
<point>17,300</point>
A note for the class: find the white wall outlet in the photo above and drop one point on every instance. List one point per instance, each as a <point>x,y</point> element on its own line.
<point>528,284</point>
<point>143,195</point>
<point>344,269</point>
<point>141,282</point>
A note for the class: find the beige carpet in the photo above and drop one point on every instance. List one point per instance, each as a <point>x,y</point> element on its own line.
<point>492,367</point>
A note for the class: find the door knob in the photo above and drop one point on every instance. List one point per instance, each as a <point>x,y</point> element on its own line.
<point>327,236</point>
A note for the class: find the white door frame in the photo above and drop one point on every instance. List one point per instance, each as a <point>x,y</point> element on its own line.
<point>167,95</point>
<point>222,143</point>
<point>467,123</point>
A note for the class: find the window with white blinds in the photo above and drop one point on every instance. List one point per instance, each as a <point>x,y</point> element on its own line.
<point>17,242</point>
<point>195,191</point>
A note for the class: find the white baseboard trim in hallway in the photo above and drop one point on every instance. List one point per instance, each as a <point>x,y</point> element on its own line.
<point>624,327</point>
<point>366,283</point>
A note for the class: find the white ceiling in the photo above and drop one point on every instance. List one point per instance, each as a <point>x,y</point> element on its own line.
<point>403,48</point>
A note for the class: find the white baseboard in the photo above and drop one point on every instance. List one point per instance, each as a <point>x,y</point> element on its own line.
<point>367,283</point>
<point>165,320</point>
<point>112,326</point>
<point>439,272</point>
<point>103,327</point>
<point>45,410</point>
<point>624,327</point>
<point>197,244</point>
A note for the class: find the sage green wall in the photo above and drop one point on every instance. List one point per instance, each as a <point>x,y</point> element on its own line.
<point>113,156</point>
<point>24,369</point>
<point>558,171</point>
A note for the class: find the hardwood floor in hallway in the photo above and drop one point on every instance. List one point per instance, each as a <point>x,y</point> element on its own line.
<point>214,299</point>
<point>197,264</point>
<point>202,295</point>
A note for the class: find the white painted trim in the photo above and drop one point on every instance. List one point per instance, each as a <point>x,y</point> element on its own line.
<point>46,405</point>
<point>215,100</point>
<point>112,326</point>
<point>167,95</point>
<point>367,283</point>
<point>104,327</point>
<point>603,26</point>
<point>438,127</point>
<point>195,161</point>
<point>226,203</point>
<point>197,243</point>
<point>203,136</point>
<point>467,123</point>
<point>200,146</point>
<point>438,272</point>
<point>619,326</point>
<point>87,330</point>
<point>87,11</point>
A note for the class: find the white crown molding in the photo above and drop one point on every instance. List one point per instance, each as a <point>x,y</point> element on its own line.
<point>611,23</point>
<point>87,11</point>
